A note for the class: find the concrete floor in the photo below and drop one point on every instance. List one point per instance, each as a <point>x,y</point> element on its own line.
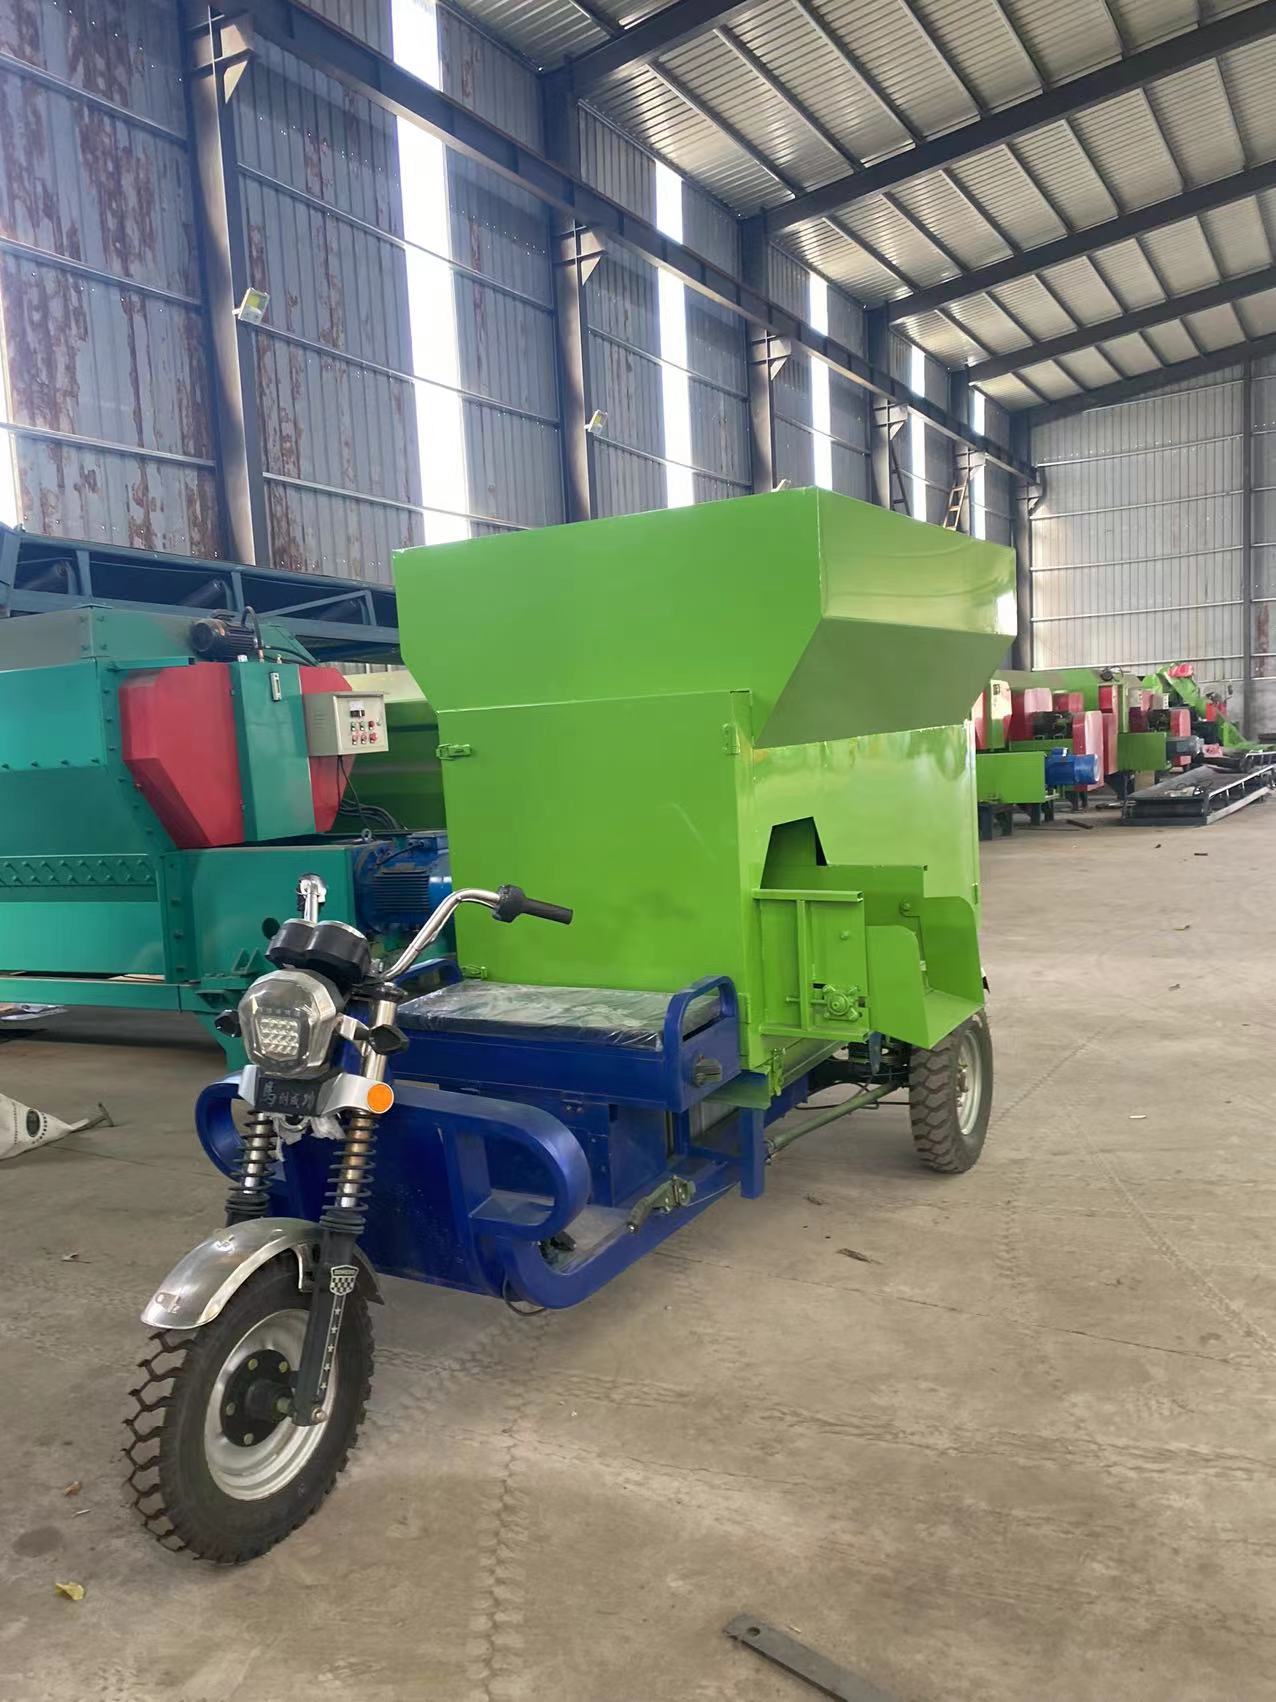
<point>1025,1448</point>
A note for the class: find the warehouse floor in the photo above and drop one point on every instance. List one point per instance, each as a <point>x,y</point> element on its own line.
<point>1005,1436</point>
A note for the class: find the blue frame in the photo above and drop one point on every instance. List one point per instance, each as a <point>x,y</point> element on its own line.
<point>506,1181</point>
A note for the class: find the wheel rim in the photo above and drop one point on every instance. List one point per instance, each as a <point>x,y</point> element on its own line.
<point>250,1471</point>
<point>970,1083</point>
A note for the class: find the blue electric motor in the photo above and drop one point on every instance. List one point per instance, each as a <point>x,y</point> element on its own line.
<point>1065,770</point>
<point>398,882</point>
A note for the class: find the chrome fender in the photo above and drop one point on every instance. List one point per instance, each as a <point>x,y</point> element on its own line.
<point>203,1280</point>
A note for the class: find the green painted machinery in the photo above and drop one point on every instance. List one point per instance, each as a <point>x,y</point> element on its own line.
<point>732,737</point>
<point>164,782</point>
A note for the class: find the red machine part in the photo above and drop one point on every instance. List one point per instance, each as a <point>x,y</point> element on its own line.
<point>1068,703</point>
<point>1180,728</point>
<point>979,715</point>
<point>327,777</point>
<point>1089,736</point>
<point>177,729</point>
<point>1033,700</point>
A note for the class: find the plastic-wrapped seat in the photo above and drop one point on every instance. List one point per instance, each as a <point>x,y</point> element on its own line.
<point>609,1016</point>
<point>666,1049</point>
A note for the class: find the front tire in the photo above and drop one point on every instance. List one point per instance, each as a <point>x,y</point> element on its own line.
<point>950,1096</point>
<point>215,1466</point>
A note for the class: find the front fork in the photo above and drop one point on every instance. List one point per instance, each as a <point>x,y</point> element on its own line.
<point>336,1272</point>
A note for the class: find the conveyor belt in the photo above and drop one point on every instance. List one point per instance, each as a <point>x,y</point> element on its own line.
<point>1199,796</point>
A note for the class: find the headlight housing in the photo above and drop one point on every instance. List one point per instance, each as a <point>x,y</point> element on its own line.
<point>287,1021</point>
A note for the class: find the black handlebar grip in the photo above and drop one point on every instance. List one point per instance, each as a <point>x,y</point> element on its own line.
<point>515,902</point>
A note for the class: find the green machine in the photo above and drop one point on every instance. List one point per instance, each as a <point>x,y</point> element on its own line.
<point>165,781</point>
<point>732,738</point>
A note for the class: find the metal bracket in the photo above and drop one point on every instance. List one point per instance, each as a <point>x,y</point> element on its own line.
<point>817,1670</point>
<point>677,1191</point>
<point>772,352</point>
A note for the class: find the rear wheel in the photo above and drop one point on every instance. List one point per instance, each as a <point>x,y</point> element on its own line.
<point>217,1466</point>
<point>950,1096</point>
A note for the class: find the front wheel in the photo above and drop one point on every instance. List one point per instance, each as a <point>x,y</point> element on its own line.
<point>216,1465</point>
<point>950,1096</point>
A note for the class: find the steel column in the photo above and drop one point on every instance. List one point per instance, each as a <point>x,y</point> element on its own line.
<point>1247,542</point>
<point>576,252</point>
<point>218,51</point>
<point>1025,499</point>
<point>767,355</point>
<point>877,348</point>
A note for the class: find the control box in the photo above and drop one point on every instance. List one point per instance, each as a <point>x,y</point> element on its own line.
<point>345,723</point>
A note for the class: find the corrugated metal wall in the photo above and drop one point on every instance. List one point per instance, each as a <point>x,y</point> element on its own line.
<point>108,411</point>
<point>788,284</point>
<point>339,362</point>
<point>1137,547</point>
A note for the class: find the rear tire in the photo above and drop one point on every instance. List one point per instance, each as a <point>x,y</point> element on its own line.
<point>229,1487</point>
<point>950,1096</point>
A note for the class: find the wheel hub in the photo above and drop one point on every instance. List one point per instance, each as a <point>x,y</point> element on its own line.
<point>969,1084</point>
<point>257,1398</point>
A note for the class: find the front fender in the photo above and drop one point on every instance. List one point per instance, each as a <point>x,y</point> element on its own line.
<point>203,1280</point>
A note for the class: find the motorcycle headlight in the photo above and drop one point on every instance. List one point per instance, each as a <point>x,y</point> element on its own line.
<point>287,1020</point>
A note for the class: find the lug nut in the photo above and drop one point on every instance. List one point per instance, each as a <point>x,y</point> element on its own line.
<point>248,1438</point>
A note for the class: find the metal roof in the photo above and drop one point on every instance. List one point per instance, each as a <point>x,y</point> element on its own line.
<point>768,102</point>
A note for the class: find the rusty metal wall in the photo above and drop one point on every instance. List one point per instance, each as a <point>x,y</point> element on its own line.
<point>106,408</point>
<point>338,376</point>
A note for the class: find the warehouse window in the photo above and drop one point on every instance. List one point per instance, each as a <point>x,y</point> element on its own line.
<point>978,513</point>
<point>675,384</point>
<point>821,409</point>
<point>917,435</point>
<point>440,422</point>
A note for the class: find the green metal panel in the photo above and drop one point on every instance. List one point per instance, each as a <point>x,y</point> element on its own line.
<point>64,789</point>
<point>1141,753</point>
<point>274,768</point>
<point>224,905</point>
<point>683,724</point>
<point>406,779</point>
<point>86,990</point>
<point>1011,777</point>
<point>839,617</point>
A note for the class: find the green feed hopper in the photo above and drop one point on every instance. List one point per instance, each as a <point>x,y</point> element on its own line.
<point>733,738</point>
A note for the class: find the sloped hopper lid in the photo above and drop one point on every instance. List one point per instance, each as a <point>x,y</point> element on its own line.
<point>840,618</point>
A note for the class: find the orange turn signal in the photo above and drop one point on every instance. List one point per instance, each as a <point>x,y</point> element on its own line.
<point>380,1097</point>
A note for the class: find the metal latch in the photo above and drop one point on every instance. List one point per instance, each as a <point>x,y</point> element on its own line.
<point>677,1191</point>
<point>450,753</point>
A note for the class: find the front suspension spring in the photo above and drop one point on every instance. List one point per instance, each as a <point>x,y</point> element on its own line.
<point>250,1197</point>
<point>352,1175</point>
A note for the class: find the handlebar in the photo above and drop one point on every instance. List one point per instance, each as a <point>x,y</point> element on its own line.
<point>514,902</point>
<point>505,905</point>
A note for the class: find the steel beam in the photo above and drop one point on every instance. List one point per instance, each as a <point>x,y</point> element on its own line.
<point>1190,47</point>
<point>1140,319</point>
<point>307,36</point>
<point>218,51</point>
<point>1145,383</point>
<point>660,33</point>
<point>1155,216</point>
